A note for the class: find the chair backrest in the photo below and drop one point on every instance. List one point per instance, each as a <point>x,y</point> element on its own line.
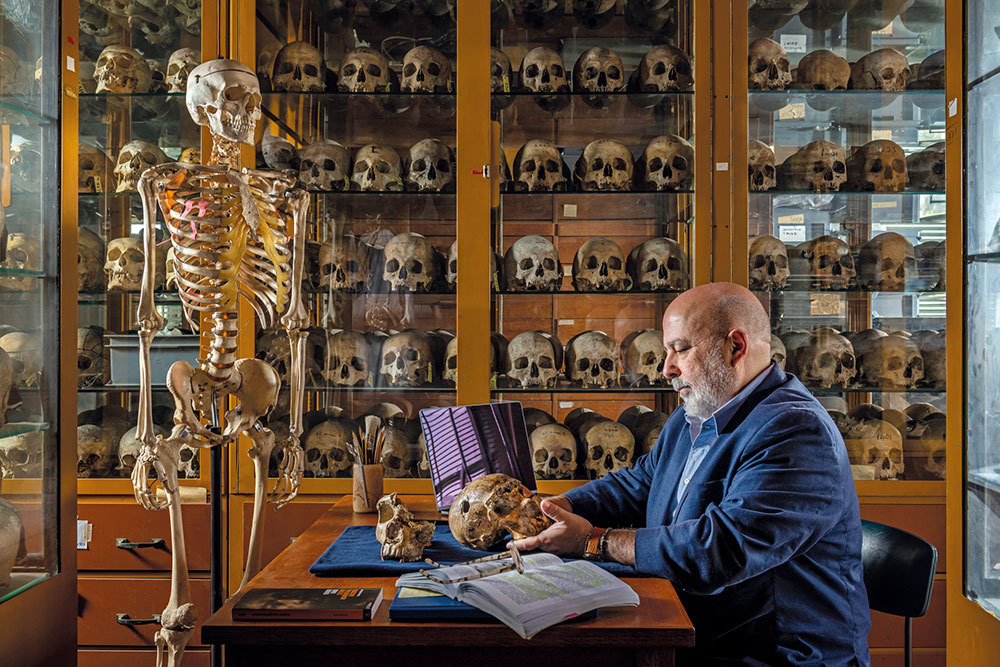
<point>899,569</point>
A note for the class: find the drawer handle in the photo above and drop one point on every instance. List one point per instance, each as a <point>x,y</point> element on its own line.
<point>125,619</point>
<point>155,543</point>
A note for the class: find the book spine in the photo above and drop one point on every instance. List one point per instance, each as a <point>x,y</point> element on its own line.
<point>302,615</point>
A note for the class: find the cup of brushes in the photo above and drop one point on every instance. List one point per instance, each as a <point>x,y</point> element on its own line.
<point>367,452</point>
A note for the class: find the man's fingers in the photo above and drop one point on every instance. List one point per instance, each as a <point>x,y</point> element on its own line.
<point>526,544</point>
<point>553,511</point>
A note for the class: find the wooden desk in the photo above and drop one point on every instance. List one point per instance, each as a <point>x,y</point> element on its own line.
<point>645,635</point>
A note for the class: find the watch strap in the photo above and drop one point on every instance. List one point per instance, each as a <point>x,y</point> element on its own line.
<point>592,551</point>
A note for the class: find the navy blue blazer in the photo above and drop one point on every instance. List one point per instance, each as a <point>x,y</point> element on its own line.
<point>766,548</point>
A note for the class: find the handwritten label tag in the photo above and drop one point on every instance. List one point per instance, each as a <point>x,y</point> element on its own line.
<point>794,43</point>
<point>795,111</point>
<point>797,219</point>
<point>883,204</point>
<point>567,269</point>
<point>824,304</point>
<point>792,233</point>
<point>566,323</point>
<point>882,134</point>
<point>84,534</point>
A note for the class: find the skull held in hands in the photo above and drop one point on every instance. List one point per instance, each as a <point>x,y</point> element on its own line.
<point>490,507</point>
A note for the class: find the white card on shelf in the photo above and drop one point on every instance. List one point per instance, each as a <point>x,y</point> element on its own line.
<point>792,233</point>
<point>793,43</point>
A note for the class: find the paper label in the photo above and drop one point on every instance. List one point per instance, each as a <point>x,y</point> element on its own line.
<point>722,166</point>
<point>793,111</point>
<point>797,219</point>
<point>794,43</point>
<point>566,323</point>
<point>882,134</point>
<point>883,204</point>
<point>84,534</point>
<point>953,107</point>
<point>569,210</point>
<point>567,270</point>
<point>566,404</point>
<point>792,233</point>
<point>71,63</point>
<point>824,304</point>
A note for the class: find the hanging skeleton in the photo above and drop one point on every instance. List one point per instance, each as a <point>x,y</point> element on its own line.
<point>231,232</point>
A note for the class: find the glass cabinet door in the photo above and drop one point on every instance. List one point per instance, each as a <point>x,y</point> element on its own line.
<point>133,77</point>
<point>360,104</point>
<point>846,218</point>
<point>593,231</point>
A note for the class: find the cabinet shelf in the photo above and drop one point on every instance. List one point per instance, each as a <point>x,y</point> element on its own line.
<point>845,99</point>
<point>623,94</point>
<point>20,428</point>
<point>984,258</point>
<point>589,294</point>
<point>22,110</point>
<point>27,273</point>
<point>844,193</point>
<point>796,290</point>
<point>643,194</point>
<point>568,389</point>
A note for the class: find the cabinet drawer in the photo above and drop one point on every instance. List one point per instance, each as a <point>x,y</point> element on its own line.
<point>928,630</point>
<point>280,527</point>
<point>925,521</point>
<point>102,598</point>
<point>111,521</point>
<point>142,658</point>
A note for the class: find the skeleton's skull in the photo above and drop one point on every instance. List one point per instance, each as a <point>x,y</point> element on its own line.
<point>553,449</point>
<point>932,349</point>
<point>364,71</point>
<point>179,66</point>
<point>667,164</point>
<point>430,167</point>
<point>886,262</point>
<point>25,166</point>
<point>326,448</point>
<point>823,70</point>
<point>489,508</point>
<point>125,263</point>
<point>95,451</point>
<point>827,360</point>
<point>762,168</point>
<point>23,455</point>
<point>878,166</point>
<point>121,69</point>
<point>224,95</point>
<point>770,68</point>
<point>885,69</point>
<point>279,154</point>
<point>926,169</point>
<point>778,352</point>
<point>768,263</point>
<point>606,164</point>
<point>591,360</point>
<point>408,359</point>
<point>377,168</point>
<point>830,262</point>
<point>343,263</point>
<point>819,166</point>
<point>658,264</point>
<point>607,445</point>
<point>95,169</point>
<point>426,70</point>
<point>411,263</point>
<point>531,264</point>
<point>893,362</point>
<point>402,537</point>
<point>298,67</point>
<point>533,360</point>
<point>90,261</point>
<point>599,266</point>
<point>90,356</point>
<point>134,158</point>
<point>642,355</point>
<point>665,68</point>
<point>24,253</point>
<point>542,71</point>
<point>324,165</point>
<point>348,361</point>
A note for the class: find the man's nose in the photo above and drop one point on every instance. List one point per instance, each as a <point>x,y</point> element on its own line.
<point>670,369</point>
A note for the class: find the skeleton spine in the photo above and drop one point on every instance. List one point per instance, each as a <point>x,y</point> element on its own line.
<point>219,363</point>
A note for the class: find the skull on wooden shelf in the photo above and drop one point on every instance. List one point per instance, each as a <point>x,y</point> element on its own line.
<point>134,158</point>
<point>322,165</point>
<point>667,164</point>
<point>539,167</point>
<point>501,79</point>
<point>490,507</point>
<point>408,359</point>
<point>827,360</point>
<point>893,362</point>
<point>606,164</point>
<point>121,69</point>
<point>22,455</point>
<point>553,450</point>
<point>931,265</point>
<point>430,167</point>
<point>124,264</point>
<point>769,66</point>
<point>531,264</point>
<point>533,360</point>
<point>542,71</point>
<point>607,445</point>
<point>298,67</point>
<point>884,69</point>
<point>926,169</point>
<point>819,166</point>
<point>778,352</point>
<point>365,70</point>
<point>658,264</point>
<point>90,356</point>
<point>886,263</point>
<point>128,449</point>
<point>591,360</point>
<point>426,70</point>
<point>96,451</point>
<point>598,70</point>
<point>412,264</point>
<point>343,263</point>
<point>348,360</point>
<point>599,266</point>
<point>96,169</point>
<point>830,262</point>
<point>377,168</point>
<point>90,261</point>
<point>768,263</point>
<point>762,167</point>
<point>823,70</point>
<point>932,350</point>
<point>326,450</point>
<point>929,74</point>
<point>179,66</point>
<point>664,68</point>
<point>642,356</point>
<point>878,166</point>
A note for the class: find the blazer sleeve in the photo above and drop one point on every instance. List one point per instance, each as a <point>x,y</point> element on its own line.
<point>785,493</point>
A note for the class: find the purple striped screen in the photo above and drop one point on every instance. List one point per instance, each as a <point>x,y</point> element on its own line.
<point>471,441</point>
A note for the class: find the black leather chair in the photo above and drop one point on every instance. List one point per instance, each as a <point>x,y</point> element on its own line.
<point>899,574</point>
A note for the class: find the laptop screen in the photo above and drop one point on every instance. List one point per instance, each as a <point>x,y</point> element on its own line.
<point>471,441</point>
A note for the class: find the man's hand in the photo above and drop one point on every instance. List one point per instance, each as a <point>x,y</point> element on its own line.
<point>566,537</point>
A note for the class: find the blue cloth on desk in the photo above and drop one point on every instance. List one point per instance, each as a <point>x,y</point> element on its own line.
<point>357,553</point>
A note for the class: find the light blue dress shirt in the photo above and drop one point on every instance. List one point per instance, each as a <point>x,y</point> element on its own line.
<point>704,433</point>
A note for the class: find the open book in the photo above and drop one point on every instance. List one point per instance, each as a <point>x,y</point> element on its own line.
<point>548,592</point>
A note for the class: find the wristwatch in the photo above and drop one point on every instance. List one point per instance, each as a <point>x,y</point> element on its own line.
<point>592,550</point>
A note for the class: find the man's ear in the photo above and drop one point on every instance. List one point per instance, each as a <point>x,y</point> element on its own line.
<point>738,343</point>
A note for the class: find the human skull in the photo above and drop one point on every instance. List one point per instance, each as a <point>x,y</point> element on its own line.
<point>819,166</point>
<point>768,263</point>
<point>881,448</point>
<point>827,360</point>
<point>830,262</point>
<point>916,417</point>
<point>932,269</point>
<point>364,70</point>
<point>121,69</point>
<point>642,355</point>
<point>224,95</point>
<point>658,264</point>
<point>886,263</point>
<point>490,507</point>
<point>402,537</point>
<point>598,70</point>
<point>12,72</point>
<point>23,455</point>
<point>134,158</point>
<point>538,167</point>
<point>280,154</point>
<point>158,81</point>
<point>90,356</point>
<point>932,350</point>
<point>778,352</point>
<point>179,66</point>
<point>665,68</point>
<point>95,451</point>
<point>26,166</point>
<point>326,450</point>
<point>862,342</point>
<point>430,167</point>
<point>607,445</point>
<point>377,168</point>
<point>451,268</point>
<point>893,362</point>
<point>395,453</point>
<point>408,359</point>
<point>542,71</point>
<point>90,261</point>
<point>125,263</point>
<point>324,165</point>
<point>298,67</point>
<point>25,352</point>
<point>343,264</point>
<point>930,74</point>
<point>878,166</point>
<point>531,264</point>
<point>885,69</point>
<point>411,264</point>
<point>95,169</point>
<point>667,164</point>
<point>825,14</point>
<point>599,266</point>
<point>426,70</point>
<point>769,66</point>
<point>24,253</point>
<point>762,168</point>
<point>591,360</point>
<point>553,449</point>
<point>451,361</point>
<point>501,74</point>
<point>926,169</point>
<point>657,17</point>
<point>534,417</point>
<point>348,360</point>
<point>605,164</point>
<point>533,361</point>
<point>188,465</point>
<point>128,449</point>
<point>823,70</point>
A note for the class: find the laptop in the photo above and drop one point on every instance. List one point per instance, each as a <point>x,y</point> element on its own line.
<point>471,441</point>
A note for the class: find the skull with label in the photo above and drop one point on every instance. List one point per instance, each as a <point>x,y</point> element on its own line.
<point>95,169</point>
<point>412,264</point>
<point>878,166</point>
<point>531,264</point>
<point>553,450</point>
<point>490,507</point>
<point>607,446</point>
<point>658,264</point>
<point>819,166</point>
<point>667,164</point>
<point>325,165</point>
<point>591,360</point>
<point>768,263</point>
<point>134,158</point>
<point>407,359</point>
<point>599,266</point>
<point>539,167</point>
<point>501,79</point>
<point>533,360</point>
<point>886,263</point>
<point>642,355</point>
<point>377,168</point>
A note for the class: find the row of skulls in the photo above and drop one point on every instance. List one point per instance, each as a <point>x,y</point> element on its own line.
<point>588,444</point>
<point>887,262</point>
<point>122,69</point>
<point>771,15</point>
<point>160,22</point>
<point>827,358</point>
<point>327,165</point>
<point>894,444</point>
<point>822,166</point>
<point>118,265</point>
<point>884,69</point>
<point>99,173</point>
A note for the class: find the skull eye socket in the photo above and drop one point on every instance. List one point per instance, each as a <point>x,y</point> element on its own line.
<point>607,364</point>
<point>186,455</point>
<point>350,69</point>
<point>415,267</point>
<point>621,454</point>
<point>674,263</point>
<point>651,265</point>
<point>312,455</point>
<point>549,264</point>
<point>654,165</point>
<point>531,70</point>
<point>784,65</point>
<point>582,364</point>
<point>614,73</point>
<point>839,167</point>
<point>660,68</point>
<point>619,164</point>
<point>894,364</point>
<point>614,263</point>
<point>888,73</point>
<point>420,165</point>
<point>86,163</point>
<point>826,360</point>
<point>526,264</point>
<point>683,68</point>
<point>591,262</point>
<point>453,266</point>
<point>361,166</point>
<point>759,65</point>
<point>648,358</point>
<point>769,170</point>
<point>452,363</point>
<point>876,165</point>
<point>358,364</point>
<point>434,69</point>
<point>411,355</point>
<point>898,165</point>
<point>566,456</point>
<point>495,70</point>
<point>443,165</point>
<point>409,69</point>
<point>329,165</point>
<point>551,166</point>
<point>679,163</point>
<point>528,165</point>
<point>382,167</point>
<point>847,261</point>
<point>311,70</point>
<point>374,70</point>
<point>521,363</point>
<point>389,358</point>
<point>541,456</point>
<point>545,362</point>
<point>590,73</point>
<point>938,167</point>
<point>557,70</point>
<point>392,266</point>
<point>596,452</point>
<point>337,455</point>
<point>83,363</point>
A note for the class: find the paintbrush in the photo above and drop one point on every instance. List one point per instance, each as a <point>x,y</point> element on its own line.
<point>361,464</point>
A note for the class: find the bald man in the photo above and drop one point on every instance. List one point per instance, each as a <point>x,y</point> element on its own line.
<point>746,503</point>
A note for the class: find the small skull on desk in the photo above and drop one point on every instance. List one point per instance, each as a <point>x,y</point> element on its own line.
<point>402,537</point>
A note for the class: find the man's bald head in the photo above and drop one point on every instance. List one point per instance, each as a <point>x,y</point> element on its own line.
<point>718,308</point>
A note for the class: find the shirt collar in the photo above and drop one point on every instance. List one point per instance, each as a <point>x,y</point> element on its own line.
<point>725,413</point>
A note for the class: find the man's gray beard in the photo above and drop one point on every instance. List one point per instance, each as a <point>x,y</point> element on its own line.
<point>717,386</point>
